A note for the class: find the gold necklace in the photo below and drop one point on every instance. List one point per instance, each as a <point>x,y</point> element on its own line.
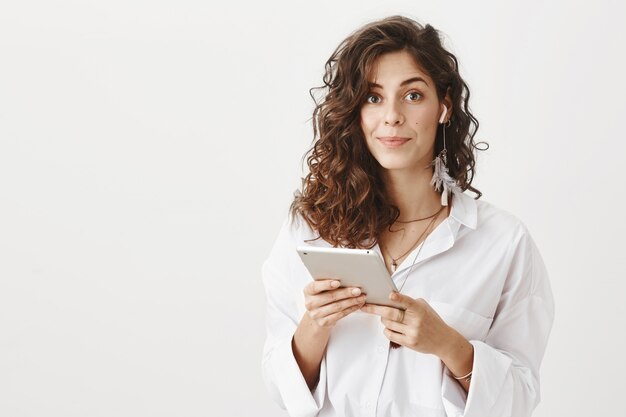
<point>416,220</point>
<point>394,345</point>
<point>394,261</point>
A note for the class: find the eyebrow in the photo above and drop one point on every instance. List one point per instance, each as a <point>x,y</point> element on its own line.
<point>403,83</point>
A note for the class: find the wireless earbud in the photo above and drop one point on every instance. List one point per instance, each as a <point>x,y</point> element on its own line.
<point>443,115</point>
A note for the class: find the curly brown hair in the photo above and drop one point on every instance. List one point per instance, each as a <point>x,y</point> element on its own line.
<point>343,196</point>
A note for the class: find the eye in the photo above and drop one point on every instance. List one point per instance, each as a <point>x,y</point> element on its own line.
<point>416,96</point>
<point>371,96</point>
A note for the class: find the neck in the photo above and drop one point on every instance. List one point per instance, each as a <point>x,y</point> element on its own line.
<point>412,193</point>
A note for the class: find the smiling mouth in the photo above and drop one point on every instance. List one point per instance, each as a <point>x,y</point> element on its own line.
<point>393,141</point>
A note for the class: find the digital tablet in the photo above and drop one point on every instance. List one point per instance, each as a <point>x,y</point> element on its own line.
<point>362,268</point>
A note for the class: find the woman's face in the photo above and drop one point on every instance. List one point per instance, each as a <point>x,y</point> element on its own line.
<point>401,112</point>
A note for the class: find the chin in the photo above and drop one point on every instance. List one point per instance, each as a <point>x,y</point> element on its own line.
<point>393,163</point>
<point>403,162</point>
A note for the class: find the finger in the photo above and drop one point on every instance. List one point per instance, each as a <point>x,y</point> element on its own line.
<point>335,317</point>
<point>396,337</point>
<point>395,326</point>
<point>390,313</point>
<point>404,300</point>
<point>320,285</point>
<point>328,297</point>
<point>339,294</point>
<point>336,307</point>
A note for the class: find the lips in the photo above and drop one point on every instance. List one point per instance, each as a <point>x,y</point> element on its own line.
<point>393,141</point>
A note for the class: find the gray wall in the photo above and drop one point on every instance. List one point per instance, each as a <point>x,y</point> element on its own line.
<point>149,151</point>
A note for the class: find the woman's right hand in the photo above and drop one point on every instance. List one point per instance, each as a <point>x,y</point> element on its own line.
<point>326,303</point>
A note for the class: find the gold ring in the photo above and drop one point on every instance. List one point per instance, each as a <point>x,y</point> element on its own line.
<point>401,320</point>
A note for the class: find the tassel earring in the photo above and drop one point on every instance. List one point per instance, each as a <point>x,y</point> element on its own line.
<point>442,181</point>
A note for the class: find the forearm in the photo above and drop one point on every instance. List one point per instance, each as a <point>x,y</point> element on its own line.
<point>458,356</point>
<point>308,344</point>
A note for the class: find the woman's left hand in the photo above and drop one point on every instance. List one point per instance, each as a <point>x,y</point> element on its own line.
<point>419,327</point>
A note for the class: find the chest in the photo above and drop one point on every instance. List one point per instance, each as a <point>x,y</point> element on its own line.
<point>400,240</point>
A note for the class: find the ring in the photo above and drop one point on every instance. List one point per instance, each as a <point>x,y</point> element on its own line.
<point>401,320</point>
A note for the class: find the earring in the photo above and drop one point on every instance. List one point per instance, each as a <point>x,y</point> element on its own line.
<point>442,181</point>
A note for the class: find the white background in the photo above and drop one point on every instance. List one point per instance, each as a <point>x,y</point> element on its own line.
<point>149,151</point>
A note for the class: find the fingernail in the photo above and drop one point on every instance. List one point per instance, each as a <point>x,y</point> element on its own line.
<point>356,291</point>
<point>334,284</point>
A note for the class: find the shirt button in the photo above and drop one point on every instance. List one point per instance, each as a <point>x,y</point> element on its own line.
<point>369,405</point>
<point>381,349</point>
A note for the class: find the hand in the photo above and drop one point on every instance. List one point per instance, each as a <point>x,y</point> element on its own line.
<point>326,303</point>
<point>419,327</point>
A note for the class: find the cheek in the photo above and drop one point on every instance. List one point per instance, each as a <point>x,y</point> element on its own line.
<point>367,132</point>
<point>367,121</point>
<point>418,117</point>
<point>424,124</point>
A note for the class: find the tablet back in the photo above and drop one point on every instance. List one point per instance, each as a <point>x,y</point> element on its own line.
<point>361,268</point>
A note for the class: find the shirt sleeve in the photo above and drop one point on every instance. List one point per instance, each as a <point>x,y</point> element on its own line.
<point>505,373</point>
<point>281,372</point>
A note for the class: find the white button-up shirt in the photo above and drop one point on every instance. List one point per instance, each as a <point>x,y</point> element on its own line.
<point>482,273</point>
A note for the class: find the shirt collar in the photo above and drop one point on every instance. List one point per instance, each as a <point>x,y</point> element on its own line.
<point>464,209</point>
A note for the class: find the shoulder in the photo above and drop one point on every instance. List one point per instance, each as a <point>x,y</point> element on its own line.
<point>490,212</point>
<point>486,222</point>
<point>493,230</point>
<point>296,231</point>
<point>527,269</point>
<point>498,222</point>
<point>283,271</point>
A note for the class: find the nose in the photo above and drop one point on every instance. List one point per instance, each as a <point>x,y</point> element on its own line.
<point>393,115</point>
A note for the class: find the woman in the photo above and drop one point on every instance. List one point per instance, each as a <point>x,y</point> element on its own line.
<point>392,157</point>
